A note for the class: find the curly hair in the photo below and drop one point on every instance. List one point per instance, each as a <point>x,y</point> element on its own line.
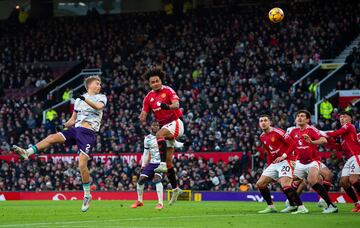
<point>154,72</point>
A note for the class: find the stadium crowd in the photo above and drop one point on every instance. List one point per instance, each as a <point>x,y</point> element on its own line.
<point>117,175</point>
<point>226,65</point>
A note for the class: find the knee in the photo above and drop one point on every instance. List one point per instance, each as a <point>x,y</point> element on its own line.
<point>327,175</point>
<point>312,180</point>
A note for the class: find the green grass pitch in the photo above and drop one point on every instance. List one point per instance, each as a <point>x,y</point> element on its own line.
<point>106,214</point>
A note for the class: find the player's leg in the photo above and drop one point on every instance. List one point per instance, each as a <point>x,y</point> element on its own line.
<point>176,191</point>
<point>85,140</point>
<point>291,195</point>
<point>348,188</point>
<point>159,190</point>
<point>314,181</point>
<point>262,184</point>
<point>299,186</point>
<point>354,177</point>
<point>85,177</point>
<point>327,176</point>
<point>298,181</point>
<point>169,131</point>
<point>140,190</point>
<point>43,144</point>
<point>161,137</point>
<point>169,164</point>
<point>285,172</point>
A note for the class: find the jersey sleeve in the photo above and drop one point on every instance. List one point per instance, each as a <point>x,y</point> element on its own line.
<point>290,143</point>
<point>77,105</point>
<point>345,128</point>
<point>146,105</point>
<point>145,156</point>
<point>314,134</point>
<point>102,98</point>
<point>172,95</point>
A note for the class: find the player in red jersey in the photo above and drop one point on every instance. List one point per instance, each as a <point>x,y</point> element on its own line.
<point>164,103</point>
<point>307,139</point>
<point>351,147</point>
<point>280,148</point>
<point>325,173</point>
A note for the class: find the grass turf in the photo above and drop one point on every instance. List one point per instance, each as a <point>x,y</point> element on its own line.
<point>106,214</point>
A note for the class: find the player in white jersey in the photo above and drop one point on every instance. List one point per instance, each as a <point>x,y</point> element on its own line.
<point>149,162</point>
<point>84,122</point>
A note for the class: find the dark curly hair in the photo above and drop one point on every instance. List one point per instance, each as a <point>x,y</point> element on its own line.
<point>154,72</point>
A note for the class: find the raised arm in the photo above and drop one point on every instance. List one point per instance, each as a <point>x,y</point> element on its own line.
<point>95,105</point>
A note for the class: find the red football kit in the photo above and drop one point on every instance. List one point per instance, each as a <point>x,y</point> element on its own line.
<point>277,143</point>
<point>306,152</point>
<point>349,140</point>
<point>154,99</point>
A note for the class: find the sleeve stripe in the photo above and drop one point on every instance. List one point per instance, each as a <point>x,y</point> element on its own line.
<point>280,132</point>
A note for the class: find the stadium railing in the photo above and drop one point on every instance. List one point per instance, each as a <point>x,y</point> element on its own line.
<point>75,84</point>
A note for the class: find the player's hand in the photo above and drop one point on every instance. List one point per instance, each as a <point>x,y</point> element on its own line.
<point>164,106</point>
<point>307,138</point>
<point>278,159</point>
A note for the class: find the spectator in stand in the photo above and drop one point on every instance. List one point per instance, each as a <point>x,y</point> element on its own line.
<point>326,108</point>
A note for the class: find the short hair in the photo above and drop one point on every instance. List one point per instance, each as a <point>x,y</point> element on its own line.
<point>265,115</point>
<point>306,112</point>
<point>90,79</point>
<point>154,71</point>
<point>346,113</point>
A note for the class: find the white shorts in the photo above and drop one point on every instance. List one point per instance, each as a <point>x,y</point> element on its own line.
<point>302,170</point>
<point>176,128</point>
<point>278,170</point>
<point>352,166</point>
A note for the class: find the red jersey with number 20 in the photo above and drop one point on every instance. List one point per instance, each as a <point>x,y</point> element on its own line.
<point>277,143</point>
<point>154,99</point>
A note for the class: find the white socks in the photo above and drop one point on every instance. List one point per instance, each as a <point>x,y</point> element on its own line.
<point>159,191</point>
<point>31,150</point>
<point>86,188</point>
<point>140,190</point>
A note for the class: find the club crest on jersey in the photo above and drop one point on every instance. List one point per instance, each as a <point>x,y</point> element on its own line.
<point>163,95</point>
<point>272,139</point>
